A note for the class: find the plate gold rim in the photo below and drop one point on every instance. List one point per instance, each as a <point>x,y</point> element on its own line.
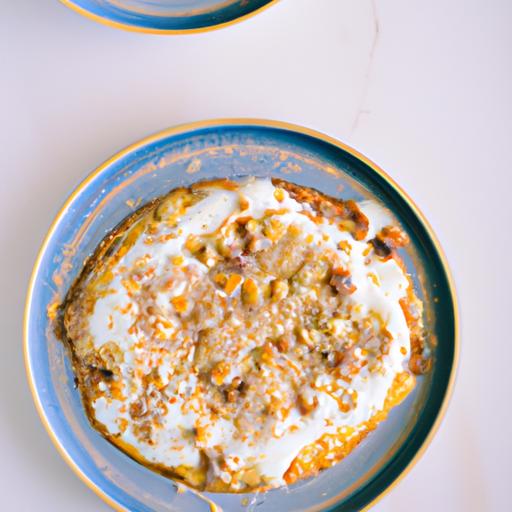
<point>142,30</point>
<point>187,127</point>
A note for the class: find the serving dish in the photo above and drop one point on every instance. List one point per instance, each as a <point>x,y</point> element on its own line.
<point>168,16</point>
<point>230,148</point>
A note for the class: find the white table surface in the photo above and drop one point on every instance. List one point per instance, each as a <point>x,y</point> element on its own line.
<point>422,87</point>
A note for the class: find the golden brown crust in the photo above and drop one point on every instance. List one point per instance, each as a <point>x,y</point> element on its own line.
<point>332,448</point>
<point>353,219</point>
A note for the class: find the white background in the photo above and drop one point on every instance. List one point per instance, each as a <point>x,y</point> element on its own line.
<point>423,87</point>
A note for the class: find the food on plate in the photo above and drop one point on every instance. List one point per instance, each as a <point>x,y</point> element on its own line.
<point>245,335</point>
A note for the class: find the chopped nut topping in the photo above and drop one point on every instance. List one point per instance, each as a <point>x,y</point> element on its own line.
<point>232,283</point>
<point>250,292</point>
<point>279,289</point>
<point>342,282</point>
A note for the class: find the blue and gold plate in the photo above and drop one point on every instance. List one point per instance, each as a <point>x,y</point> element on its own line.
<point>232,148</point>
<point>168,16</point>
